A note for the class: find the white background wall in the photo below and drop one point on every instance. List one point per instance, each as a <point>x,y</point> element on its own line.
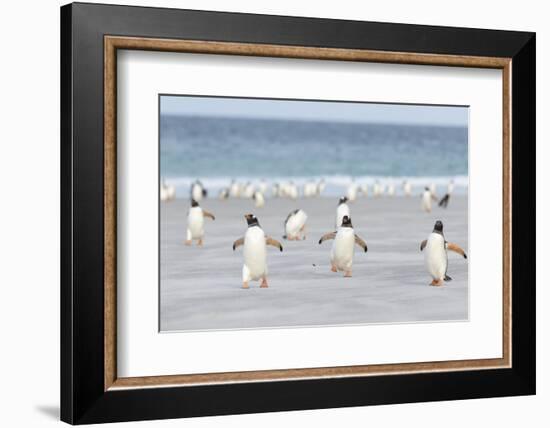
<point>29,212</point>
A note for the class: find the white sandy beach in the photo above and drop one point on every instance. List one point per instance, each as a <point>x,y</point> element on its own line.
<point>201,286</point>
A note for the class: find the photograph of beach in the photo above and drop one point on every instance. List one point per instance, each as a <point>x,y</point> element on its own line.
<point>306,213</point>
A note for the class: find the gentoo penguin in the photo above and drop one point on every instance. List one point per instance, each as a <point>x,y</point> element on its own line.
<point>310,189</point>
<point>391,190</point>
<point>224,193</point>
<point>262,186</point>
<point>450,186</point>
<point>352,192</point>
<point>321,186</point>
<point>427,197</point>
<point>341,254</point>
<point>445,199</point>
<point>407,188</point>
<point>167,192</point>
<point>435,254</point>
<point>259,200</point>
<point>377,189</point>
<point>234,189</point>
<point>295,225</point>
<point>433,189</point>
<point>276,190</point>
<point>292,190</point>
<point>195,223</point>
<point>365,189</point>
<point>341,211</point>
<point>255,254</point>
<point>198,191</point>
<point>248,191</point>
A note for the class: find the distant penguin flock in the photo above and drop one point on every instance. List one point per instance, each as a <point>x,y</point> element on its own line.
<point>344,237</point>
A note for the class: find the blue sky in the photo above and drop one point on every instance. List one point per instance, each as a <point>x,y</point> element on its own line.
<point>315,110</point>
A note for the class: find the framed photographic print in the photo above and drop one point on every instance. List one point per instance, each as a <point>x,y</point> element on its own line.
<point>265,213</point>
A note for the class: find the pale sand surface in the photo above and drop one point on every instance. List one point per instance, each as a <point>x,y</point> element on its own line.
<point>201,287</point>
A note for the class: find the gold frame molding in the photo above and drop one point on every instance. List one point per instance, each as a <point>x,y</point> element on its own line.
<point>113,43</point>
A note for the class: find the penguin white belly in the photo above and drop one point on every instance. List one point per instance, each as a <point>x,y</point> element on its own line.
<point>195,222</point>
<point>341,254</point>
<point>260,201</point>
<point>196,193</point>
<point>352,193</point>
<point>426,201</point>
<point>171,192</point>
<point>164,195</point>
<point>435,256</point>
<point>341,211</point>
<point>234,190</point>
<point>295,224</point>
<point>255,253</point>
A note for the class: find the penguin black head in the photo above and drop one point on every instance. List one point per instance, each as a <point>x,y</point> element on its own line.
<point>427,189</point>
<point>342,200</point>
<point>346,221</point>
<point>438,227</point>
<point>252,220</point>
<point>194,203</point>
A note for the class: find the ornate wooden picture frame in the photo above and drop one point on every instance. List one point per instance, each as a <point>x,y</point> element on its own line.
<point>91,390</point>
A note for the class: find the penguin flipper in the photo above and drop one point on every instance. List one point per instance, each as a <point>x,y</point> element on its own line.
<point>238,243</point>
<point>327,236</point>
<point>423,244</point>
<point>207,214</point>
<point>273,243</point>
<point>361,243</point>
<point>447,278</point>
<point>456,249</point>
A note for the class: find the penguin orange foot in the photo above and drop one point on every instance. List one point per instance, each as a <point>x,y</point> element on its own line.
<point>264,283</point>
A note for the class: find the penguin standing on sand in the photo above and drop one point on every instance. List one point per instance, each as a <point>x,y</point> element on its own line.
<point>377,189</point>
<point>407,188</point>
<point>248,191</point>
<point>427,197</point>
<point>224,193</point>
<point>259,200</point>
<point>433,189</point>
<point>234,189</point>
<point>341,254</point>
<point>198,191</point>
<point>352,192</point>
<point>295,225</point>
<point>341,211</point>
<point>445,199</point>
<point>435,254</point>
<point>167,192</point>
<point>195,223</point>
<point>391,190</point>
<point>255,255</point>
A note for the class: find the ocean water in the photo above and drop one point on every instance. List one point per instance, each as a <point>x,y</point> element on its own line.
<point>216,150</point>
